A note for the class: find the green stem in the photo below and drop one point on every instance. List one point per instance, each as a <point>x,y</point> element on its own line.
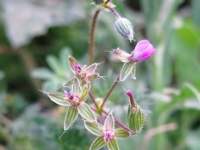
<point>112,88</point>
<point>91,42</point>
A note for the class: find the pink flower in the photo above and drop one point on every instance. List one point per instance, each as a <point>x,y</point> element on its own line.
<point>143,51</point>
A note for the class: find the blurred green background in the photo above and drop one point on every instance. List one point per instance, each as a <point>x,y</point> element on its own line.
<point>36,38</point>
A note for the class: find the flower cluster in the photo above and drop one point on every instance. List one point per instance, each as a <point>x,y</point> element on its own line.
<point>80,89</point>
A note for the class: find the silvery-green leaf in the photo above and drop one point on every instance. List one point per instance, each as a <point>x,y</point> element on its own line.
<point>98,143</point>
<point>84,94</point>
<point>121,133</point>
<point>126,70</point>
<point>42,73</point>
<point>76,88</point>
<point>112,145</point>
<point>58,98</point>
<point>94,128</point>
<point>70,117</point>
<point>109,123</point>
<point>53,63</point>
<point>85,111</point>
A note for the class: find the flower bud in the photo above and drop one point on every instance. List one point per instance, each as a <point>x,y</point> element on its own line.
<point>135,119</point>
<point>143,51</point>
<point>98,2</point>
<point>124,27</point>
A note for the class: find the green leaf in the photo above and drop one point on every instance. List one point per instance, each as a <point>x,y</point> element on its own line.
<point>112,145</point>
<point>42,73</point>
<point>109,123</point>
<point>121,133</point>
<point>58,98</point>
<point>84,94</point>
<point>98,143</point>
<point>85,111</point>
<point>126,70</point>
<point>70,117</point>
<point>93,127</point>
<point>53,63</point>
<point>76,88</point>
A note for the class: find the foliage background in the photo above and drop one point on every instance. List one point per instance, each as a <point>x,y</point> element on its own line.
<point>35,40</point>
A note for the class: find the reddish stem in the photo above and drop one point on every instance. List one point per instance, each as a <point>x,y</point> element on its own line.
<point>93,100</point>
<point>105,99</point>
<point>113,11</point>
<point>91,43</point>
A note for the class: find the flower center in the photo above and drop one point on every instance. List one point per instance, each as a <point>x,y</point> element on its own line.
<point>77,68</point>
<point>108,135</point>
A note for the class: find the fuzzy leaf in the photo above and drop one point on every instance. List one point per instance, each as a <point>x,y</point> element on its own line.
<point>93,127</point>
<point>112,145</point>
<point>109,123</point>
<point>126,70</point>
<point>70,117</point>
<point>98,143</point>
<point>121,133</point>
<point>58,98</point>
<point>85,111</point>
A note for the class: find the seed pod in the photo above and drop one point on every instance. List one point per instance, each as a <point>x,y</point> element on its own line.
<point>135,119</point>
<point>98,2</point>
<point>124,27</point>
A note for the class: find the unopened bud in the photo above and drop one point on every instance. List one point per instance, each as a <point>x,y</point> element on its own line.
<point>124,27</point>
<point>98,2</point>
<point>135,119</point>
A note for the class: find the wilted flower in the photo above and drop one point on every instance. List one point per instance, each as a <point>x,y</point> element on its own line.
<point>107,134</point>
<point>75,103</point>
<point>84,74</point>
<point>124,27</point>
<point>143,51</point>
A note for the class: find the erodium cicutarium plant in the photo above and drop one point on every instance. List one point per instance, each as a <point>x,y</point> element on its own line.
<point>75,99</point>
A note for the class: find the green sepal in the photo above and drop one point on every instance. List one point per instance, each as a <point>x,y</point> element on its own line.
<point>92,77</point>
<point>72,61</point>
<point>76,88</point>
<point>112,145</point>
<point>126,70</point>
<point>69,82</point>
<point>136,119</point>
<point>58,98</point>
<point>70,117</point>
<point>109,123</point>
<point>121,133</point>
<point>133,73</point>
<point>94,128</point>
<point>85,112</point>
<point>84,94</point>
<point>98,143</point>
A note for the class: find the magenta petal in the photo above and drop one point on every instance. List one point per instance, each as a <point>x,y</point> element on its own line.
<point>143,51</point>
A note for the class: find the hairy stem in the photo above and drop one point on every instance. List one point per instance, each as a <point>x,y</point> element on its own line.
<point>113,11</point>
<point>91,42</point>
<point>112,88</point>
